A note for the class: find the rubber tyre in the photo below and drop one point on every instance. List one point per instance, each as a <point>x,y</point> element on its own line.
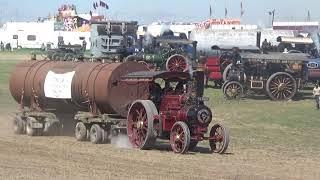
<point>96,135</point>
<point>19,125</point>
<point>80,131</point>
<point>53,127</point>
<point>32,131</point>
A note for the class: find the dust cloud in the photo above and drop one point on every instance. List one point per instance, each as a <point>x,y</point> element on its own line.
<point>121,141</point>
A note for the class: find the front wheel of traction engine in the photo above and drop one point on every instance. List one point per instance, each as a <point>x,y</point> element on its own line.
<point>233,90</point>
<point>219,138</point>
<point>180,137</point>
<point>140,124</point>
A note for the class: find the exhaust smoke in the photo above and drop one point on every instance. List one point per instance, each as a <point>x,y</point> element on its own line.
<point>121,141</point>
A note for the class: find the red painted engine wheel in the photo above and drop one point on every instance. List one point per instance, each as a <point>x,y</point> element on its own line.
<point>140,128</point>
<point>180,137</point>
<point>177,63</point>
<point>219,138</point>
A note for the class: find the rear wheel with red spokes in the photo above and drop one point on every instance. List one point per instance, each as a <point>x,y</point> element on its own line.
<point>140,128</point>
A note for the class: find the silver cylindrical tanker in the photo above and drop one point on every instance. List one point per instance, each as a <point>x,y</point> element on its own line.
<point>74,86</point>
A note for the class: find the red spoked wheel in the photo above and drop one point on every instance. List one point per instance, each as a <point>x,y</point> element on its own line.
<point>140,124</point>
<point>219,138</point>
<point>180,137</point>
<point>177,63</point>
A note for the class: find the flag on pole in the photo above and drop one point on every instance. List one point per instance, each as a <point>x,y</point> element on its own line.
<point>242,10</point>
<point>225,12</point>
<point>94,6</point>
<point>210,11</point>
<point>104,4</point>
<point>309,16</point>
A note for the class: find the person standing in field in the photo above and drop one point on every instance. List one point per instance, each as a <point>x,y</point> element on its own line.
<point>316,94</point>
<point>1,46</point>
<point>84,45</point>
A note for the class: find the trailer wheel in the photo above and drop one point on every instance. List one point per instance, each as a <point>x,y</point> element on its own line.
<point>96,134</point>
<point>281,86</point>
<point>19,125</point>
<point>180,137</point>
<point>177,63</point>
<point>106,136</point>
<point>80,131</point>
<point>219,138</point>
<point>30,130</point>
<point>52,127</point>
<point>233,90</point>
<point>140,124</point>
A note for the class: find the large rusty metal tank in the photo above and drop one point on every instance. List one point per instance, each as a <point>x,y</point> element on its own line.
<point>73,86</point>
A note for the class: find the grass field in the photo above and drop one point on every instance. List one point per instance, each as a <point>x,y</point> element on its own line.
<point>264,128</point>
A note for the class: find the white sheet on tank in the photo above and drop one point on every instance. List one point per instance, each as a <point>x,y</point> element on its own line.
<point>58,85</point>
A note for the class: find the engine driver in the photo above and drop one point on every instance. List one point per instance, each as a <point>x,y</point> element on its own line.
<point>237,62</point>
<point>179,88</point>
<point>167,88</point>
<point>155,92</point>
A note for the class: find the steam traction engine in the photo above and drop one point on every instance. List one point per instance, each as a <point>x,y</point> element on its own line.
<point>175,111</point>
<point>166,54</point>
<point>278,75</point>
<point>107,98</point>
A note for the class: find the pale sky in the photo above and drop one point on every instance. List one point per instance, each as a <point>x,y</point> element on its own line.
<point>146,11</point>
